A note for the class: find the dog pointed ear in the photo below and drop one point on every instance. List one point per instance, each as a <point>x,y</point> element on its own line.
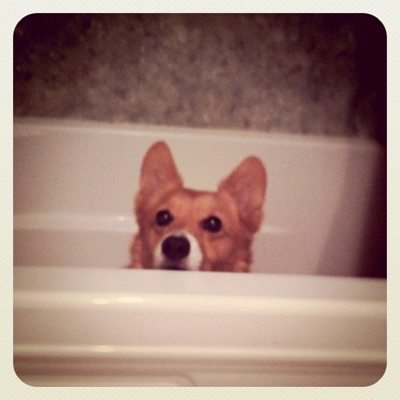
<point>247,185</point>
<point>159,173</point>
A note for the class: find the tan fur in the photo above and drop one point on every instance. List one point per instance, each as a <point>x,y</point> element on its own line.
<point>238,203</point>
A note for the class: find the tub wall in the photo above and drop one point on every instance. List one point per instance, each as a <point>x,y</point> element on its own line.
<point>74,184</point>
<point>83,327</point>
<point>81,320</point>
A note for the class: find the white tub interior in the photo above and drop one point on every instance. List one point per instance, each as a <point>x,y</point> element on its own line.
<point>74,186</point>
<point>74,304</point>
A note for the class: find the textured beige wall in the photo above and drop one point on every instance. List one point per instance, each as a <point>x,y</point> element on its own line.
<point>310,74</point>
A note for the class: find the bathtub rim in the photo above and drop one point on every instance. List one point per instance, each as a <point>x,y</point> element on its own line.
<point>364,364</point>
<point>33,126</point>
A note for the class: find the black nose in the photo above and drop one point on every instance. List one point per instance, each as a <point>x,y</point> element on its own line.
<point>176,247</point>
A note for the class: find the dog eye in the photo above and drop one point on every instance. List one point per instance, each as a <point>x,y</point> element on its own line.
<point>212,224</point>
<point>164,218</point>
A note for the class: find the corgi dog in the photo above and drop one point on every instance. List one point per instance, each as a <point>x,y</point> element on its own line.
<point>186,229</point>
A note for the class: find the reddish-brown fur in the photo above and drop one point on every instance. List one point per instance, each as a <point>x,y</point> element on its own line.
<point>238,203</point>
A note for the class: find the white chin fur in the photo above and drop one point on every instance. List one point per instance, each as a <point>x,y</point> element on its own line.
<point>191,262</point>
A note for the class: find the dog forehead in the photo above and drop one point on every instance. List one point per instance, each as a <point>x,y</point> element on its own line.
<point>193,201</point>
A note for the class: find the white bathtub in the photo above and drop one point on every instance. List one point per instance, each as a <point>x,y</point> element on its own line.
<point>307,315</point>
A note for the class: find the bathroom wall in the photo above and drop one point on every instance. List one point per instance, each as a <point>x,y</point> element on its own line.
<point>307,74</point>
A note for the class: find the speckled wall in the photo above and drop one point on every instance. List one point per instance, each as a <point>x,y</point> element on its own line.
<point>308,74</point>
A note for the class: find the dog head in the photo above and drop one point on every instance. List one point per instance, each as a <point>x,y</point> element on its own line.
<point>186,229</point>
